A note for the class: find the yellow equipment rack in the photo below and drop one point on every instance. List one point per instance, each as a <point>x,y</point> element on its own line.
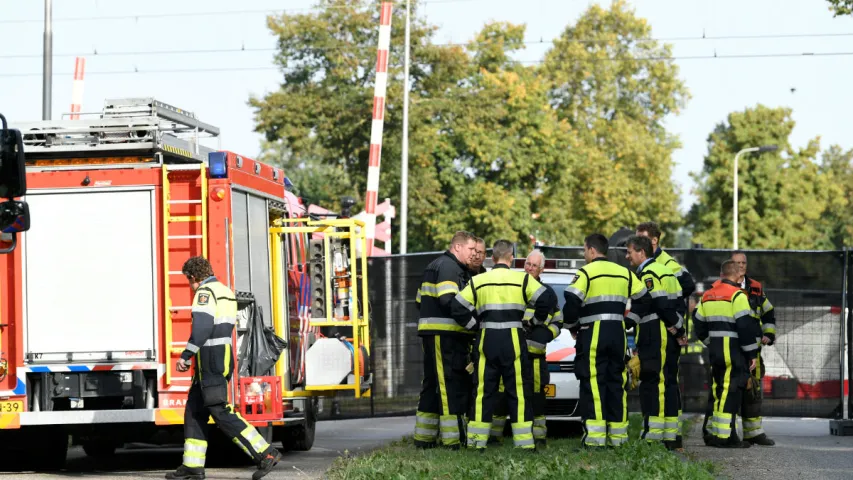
<point>345,229</point>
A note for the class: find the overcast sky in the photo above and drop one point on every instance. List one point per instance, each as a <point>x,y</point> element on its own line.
<point>821,102</point>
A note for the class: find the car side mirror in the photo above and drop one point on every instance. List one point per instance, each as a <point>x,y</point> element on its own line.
<point>14,218</point>
<point>13,180</point>
<point>14,215</point>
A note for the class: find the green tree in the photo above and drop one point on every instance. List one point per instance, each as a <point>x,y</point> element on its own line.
<point>320,117</point>
<point>841,7</point>
<point>496,147</point>
<point>614,84</point>
<point>783,195</point>
<point>316,181</point>
<point>839,218</point>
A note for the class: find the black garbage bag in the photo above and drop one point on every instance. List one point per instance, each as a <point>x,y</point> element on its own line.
<point>261,347</point>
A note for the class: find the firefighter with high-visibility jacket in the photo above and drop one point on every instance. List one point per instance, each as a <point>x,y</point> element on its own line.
<point>753,431</point>
<point>724,323</point>
<point>214,313</point>
<point>594,313</point>
<point>658,330</point>
<point>446,390</point>
<point>538,336</point>
<point>498,299</point>
<point>688,285</point>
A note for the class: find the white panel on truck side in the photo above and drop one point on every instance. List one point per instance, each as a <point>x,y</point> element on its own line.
<point>240,215</point>
<point>90,273</point>
<point>259,240</point>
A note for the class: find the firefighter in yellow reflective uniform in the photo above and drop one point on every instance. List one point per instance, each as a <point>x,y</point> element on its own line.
<point>498,299</point>
<point>688,286</point>
<point>765,315</point>
<point>725,323</point>
<point>446,388</point>
<point>595,314</point>
<point>539,335</point>
<point>214,313</point>
<point>659,330</point>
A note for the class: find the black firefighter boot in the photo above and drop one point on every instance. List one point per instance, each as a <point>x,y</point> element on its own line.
<point>674,444</point>
<point>184,472</point>
<point>269,459</point>
<point>762,439</point>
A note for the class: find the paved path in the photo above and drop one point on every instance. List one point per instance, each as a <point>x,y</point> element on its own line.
<point>804,450</point>
<point>333,439</point>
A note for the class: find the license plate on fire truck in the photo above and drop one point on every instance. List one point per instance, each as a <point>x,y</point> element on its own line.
<point>550,390</point>
<point>16,406</point>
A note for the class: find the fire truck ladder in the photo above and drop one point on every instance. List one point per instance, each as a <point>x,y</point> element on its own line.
<point>169,219</point>
<point>129,126</point>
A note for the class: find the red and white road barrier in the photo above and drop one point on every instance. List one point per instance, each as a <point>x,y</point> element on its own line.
<point>77,88</point>
<point>377,124</point>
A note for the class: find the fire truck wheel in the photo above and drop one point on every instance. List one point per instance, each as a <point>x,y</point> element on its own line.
<point>301,437</point>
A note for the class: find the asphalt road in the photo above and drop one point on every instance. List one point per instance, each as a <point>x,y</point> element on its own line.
<point>804,450</point>
<point>333,439</point>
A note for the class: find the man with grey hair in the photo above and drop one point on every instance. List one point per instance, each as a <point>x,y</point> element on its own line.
<point>498,299</point>
<point>538,336</point>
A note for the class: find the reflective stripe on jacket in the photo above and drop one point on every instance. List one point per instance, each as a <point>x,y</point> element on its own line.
<point>214,313</point>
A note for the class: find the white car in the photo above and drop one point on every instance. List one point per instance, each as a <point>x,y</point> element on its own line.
<point>563,391</point>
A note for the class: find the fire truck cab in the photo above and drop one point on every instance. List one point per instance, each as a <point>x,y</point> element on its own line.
<point>95,310</point>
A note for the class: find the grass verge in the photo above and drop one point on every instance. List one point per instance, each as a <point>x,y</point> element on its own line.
<point>636,460</point>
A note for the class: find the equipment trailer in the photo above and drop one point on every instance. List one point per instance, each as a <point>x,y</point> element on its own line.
<point>95,311</point>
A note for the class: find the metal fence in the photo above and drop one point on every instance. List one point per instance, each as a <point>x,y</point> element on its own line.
<point>803,368</point>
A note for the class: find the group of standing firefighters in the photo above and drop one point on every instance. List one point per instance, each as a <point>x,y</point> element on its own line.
<point>484,336</point>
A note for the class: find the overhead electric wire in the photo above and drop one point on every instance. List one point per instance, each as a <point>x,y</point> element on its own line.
<point>96,52</point>
<point>526,62</point>
<point>215,13</point>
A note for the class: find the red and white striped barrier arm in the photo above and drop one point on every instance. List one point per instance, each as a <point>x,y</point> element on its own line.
<point>377,124</point>
<point>77,88</point>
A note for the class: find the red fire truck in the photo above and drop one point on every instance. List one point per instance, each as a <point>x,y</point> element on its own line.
<point>95,310</point>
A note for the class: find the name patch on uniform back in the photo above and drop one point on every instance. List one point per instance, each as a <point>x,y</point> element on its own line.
<point>203,299</point>
<point>650,283</point>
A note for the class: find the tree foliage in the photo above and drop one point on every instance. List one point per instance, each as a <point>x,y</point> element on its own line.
<point>609,81</point>
<point>838,221</point>
<point>497,147</point>
<point>841,7</point>
<point>784,196</point>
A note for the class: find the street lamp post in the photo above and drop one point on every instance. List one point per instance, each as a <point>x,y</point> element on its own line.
<point>762,149</point>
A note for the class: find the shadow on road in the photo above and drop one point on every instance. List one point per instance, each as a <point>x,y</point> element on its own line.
<point>148,460</point>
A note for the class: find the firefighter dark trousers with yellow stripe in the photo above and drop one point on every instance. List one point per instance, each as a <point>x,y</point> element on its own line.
<point>205,401</point>
<point>502,356</point>
<point>729,371</point>
<point>600,367</point>
<point>541,377</point>
<point>751,403</point>
<point>446,391</point>
<point>660,398</point>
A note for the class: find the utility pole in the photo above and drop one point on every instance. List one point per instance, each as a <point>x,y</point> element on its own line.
<point>404,168</point>
<point>47,70</point>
